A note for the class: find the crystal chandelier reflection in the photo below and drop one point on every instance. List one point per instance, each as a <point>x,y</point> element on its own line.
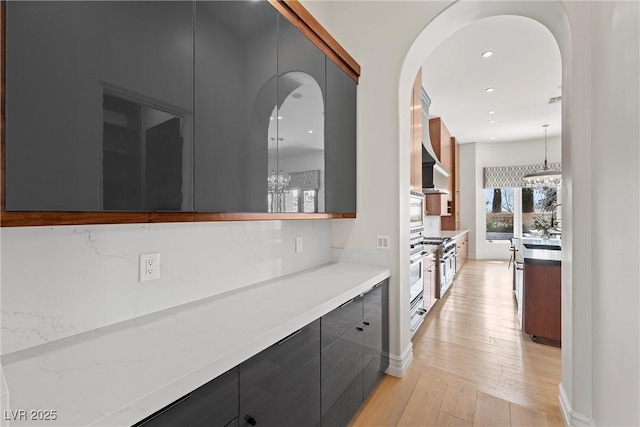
<point>278,181</point>
<point>545,177</point>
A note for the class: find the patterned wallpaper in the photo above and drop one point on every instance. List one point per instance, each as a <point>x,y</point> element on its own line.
<point>511,176</point>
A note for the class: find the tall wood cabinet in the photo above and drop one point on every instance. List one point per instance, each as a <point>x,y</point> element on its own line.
<point>416,133</point>
<point>440,204</point>
<point>452,222</point>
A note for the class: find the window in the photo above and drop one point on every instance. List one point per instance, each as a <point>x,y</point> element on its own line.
<point>540,202</point>
<point>500,208</point>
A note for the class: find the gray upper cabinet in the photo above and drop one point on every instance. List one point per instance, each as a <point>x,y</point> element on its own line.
<point>99,106</point>
<point>340,137</point>
<point>173,106</point>
<point>296,132</point>
<point>236,92</point>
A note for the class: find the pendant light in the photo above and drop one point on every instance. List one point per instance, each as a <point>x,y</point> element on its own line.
<point>544,177</point>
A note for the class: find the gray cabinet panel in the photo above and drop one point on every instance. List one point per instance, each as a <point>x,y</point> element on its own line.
<point>296,135</point>
<point>213,404</point>
<point>342,378</point>
<point>340,320</point>
<point>281,385</point>
<point>375,336</point>
<point>340,137</point>
<point>236,92</point>
<point>68,148</point>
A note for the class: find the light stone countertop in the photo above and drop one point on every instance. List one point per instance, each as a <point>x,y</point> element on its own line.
<point>447,233</point>
<point>120,374</point>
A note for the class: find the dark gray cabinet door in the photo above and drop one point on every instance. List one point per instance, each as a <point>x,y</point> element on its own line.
<point>342,378</point>
<point>213,404</point>
<point>235,95</point>
<point>340,137</point>
<point>85,83</point>
<point>375,336</point>
<point>296,133</point>
<point>339,321</point>
<point>281,385</point>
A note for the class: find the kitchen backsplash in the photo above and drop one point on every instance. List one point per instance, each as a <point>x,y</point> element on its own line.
<point>431,224</point>
<point>61,281</point>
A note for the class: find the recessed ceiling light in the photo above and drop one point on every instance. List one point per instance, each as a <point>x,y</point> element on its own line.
<point>279,117</point>
<point>491,112</point>
<point>310,131</point>
<point>490,89</point>
<point>492,121</point>
<point>487,54</point>
<point>493,137</point>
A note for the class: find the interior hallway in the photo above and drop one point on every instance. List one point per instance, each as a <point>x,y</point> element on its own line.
<point>472,364</point>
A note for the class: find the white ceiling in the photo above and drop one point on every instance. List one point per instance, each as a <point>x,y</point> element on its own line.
<point>525,71</point>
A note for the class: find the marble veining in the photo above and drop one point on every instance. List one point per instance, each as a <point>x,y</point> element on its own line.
<point>123,374</point>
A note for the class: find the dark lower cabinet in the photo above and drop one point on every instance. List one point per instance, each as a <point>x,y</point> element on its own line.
<point>317,376</point>
<point>213,404</point>
<point>375,347</point>
<point>280,386</point>
<point>342,378</point>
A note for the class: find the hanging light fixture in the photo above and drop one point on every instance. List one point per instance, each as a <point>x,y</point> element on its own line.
<point>544,177</point>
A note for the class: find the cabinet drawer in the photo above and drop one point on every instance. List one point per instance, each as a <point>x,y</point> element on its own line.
<point>340,320</point>
<point>213,404</point>
<point>289,398</point>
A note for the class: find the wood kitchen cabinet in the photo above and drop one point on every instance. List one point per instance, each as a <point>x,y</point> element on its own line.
<point>542,309</point>
<point>441,204</point>
<point>416,133</point>
<point>430,281</point>
<point>462,248</point>
<point>452,222</point>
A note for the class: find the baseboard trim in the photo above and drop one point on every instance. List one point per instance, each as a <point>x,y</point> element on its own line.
<point>399,365</point>
<point>571,417</point>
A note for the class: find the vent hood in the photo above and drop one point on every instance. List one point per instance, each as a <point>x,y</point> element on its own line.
<point>435,178</point>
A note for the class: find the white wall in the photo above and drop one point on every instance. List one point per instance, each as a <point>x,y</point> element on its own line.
<point>474,157</point>
<point>61,281</point>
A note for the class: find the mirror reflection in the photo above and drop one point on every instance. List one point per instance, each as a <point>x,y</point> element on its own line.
<point>296,147</point>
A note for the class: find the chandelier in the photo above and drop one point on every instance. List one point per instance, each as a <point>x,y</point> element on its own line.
<point>544,177</point>
<point>278,181</point>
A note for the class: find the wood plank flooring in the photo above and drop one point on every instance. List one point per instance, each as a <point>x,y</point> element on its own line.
<point>472,364</point>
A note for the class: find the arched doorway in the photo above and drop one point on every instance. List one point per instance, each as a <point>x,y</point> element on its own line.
<point>553,16</point>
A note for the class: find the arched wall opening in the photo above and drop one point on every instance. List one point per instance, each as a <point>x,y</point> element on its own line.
<point>553,16</point>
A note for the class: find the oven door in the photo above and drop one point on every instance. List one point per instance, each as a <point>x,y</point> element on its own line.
<point>416,277</point>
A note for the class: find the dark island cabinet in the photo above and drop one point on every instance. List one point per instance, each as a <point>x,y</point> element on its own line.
<point>375,326</point>
<point>99,100</point>
<point>213,404</point>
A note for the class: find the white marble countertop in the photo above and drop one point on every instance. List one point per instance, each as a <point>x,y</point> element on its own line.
<point>120,374</point>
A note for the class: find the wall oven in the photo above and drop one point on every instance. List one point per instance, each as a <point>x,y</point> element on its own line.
<point>416,291</point>
<point>416,212</point>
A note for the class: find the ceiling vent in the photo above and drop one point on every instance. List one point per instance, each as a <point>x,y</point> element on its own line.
<point>555,100</point>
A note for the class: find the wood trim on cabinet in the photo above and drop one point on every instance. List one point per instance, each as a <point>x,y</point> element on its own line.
<point>290,9</point>
<point>302,19</point>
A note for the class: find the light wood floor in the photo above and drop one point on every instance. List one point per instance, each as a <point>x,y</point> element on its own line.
<point>472,364</point>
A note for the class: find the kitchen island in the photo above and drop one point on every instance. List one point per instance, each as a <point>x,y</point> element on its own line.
<point>539,293</point>
<point>120,374</point>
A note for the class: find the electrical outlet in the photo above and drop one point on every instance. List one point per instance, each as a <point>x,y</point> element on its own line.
<point>383,242</point>
<point>149,267</point>
<point>299,243</point>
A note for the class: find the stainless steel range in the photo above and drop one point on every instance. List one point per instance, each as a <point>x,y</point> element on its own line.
<point>447,261</point>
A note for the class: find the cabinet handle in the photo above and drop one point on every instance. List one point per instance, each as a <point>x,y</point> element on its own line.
<point>358,328</point>
<point>366,323</point>
<point>347,303</point>
<point>287,338</point>
<point>248,418</point>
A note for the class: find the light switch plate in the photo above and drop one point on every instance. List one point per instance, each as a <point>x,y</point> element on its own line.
<point>299,243</point>
<point>383,242</point>
<point>149,267</point>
